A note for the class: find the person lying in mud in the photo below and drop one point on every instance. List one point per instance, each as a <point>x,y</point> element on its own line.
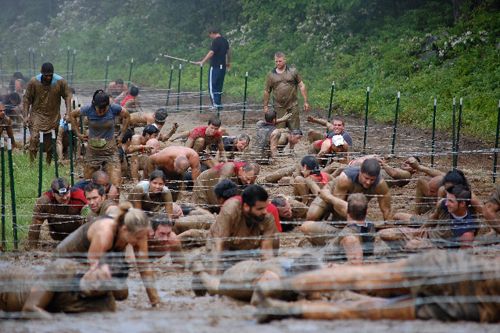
<point>98,203</point>
<point>107,236</point>
<point>439,285</point>
<point>102,178</point>
<point>162,239</point>
<point>241,173</point>
<point>62,286</point>
<point>137,150</point>
<point>335,127</point>
<point>491,208</point>
<point>454,223</point>
<point>239,281</point>
<point>290,211</point>
<point>158,119</point>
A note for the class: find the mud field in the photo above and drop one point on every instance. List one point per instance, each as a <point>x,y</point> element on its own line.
<point>181,311</point>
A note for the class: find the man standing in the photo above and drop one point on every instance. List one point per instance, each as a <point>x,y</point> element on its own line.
<point>219,56</point>
<point>283,81</point>
<point>43,94</point>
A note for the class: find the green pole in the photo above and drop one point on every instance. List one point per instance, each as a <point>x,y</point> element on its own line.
<point>71,171</point>
<point>40,165</point>
<point>433,132</point>
<point>68,57</point>
<point>459,126</point>
<point>73,66</point>
<point>130,71</point>
<point>395,125</point>
<point>54,153</point>
<point>453,134</point>
<point>179,87</point>
<point>12,192</point>
<point>366,119</point>
<point>169,84</point>
<point>495,154</point>
<point>330,108</point>
<point>24,135</point>
<point>106,74</point>
<point>245,100</point>
<point>201,87</point>
<point>2,162</point>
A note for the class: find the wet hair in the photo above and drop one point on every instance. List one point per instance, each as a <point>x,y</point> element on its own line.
<point>129,133</point>
<point>94,186</point>
<point>270,116</point>
<point>150,129</point>
<point>161,219</point>
<point>58,184</point>
<point>215,121</point>
<point>133,219</point>
<point>243,136</point>
<point>99,174</point>
<point>47,68</point>
<point>461,192</point>
<point>279,54</point>
<point>311,163</point>
<point>248,167</point>
<point>157,173</point>
<point>253,193</point>
<point>279,201</point>
<point>161,115</point>
<point>119,81</point>
<point>296,131</point>
<point>371,167</point>
<point>455,177</point>
<point>225,189</point>
<point>357,206</point>
<point>100,99</point>
<point>134,91</point>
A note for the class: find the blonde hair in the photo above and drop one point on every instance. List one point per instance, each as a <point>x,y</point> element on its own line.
<point>133,219</point>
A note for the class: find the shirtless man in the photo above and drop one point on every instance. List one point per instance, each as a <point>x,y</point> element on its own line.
<point>174,161</point>
<point>6,124</point>
<point>41,106</point>
<point>158,119</point>
<point>117,88</point>
<point>439,285</point>
<point>98,204</point>
<point>241,173</point>
<point>101,178</point>
<point>61,207</point>
<point>243,224</point>
<point>137,149</point>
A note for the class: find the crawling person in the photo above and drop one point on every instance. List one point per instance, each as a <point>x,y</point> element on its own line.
<point>241,173</point>
<point>201,138</point>
<point>62,286</point>
<point>268,137</point>
<point>174,161</point>
<point>152,195</point>
<point>436,285</point>
<point>137,149</point>
<point>310,181</point>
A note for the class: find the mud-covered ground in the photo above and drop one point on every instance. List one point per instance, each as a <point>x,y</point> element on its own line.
<point>181,311</point>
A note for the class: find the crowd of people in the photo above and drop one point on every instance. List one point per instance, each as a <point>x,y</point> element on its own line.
<point>100,228</point>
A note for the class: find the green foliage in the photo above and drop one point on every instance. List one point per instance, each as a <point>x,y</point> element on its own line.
<point>423,48</point>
